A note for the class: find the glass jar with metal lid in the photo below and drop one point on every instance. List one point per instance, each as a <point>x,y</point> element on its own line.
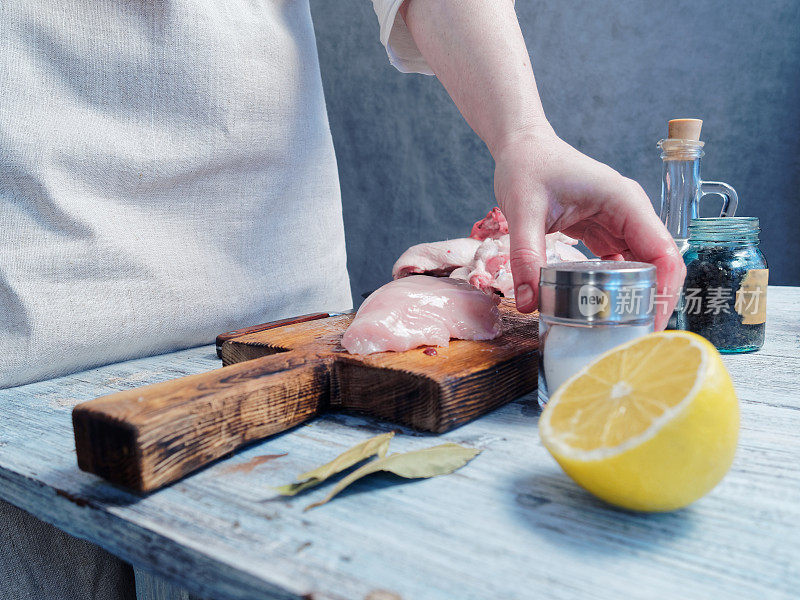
<point>725,292</point>
<point>587,308</point>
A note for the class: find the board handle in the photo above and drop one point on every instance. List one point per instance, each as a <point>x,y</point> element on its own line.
<point>148,437</point>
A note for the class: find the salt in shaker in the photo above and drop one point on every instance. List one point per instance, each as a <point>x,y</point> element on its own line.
<point>587,308</point>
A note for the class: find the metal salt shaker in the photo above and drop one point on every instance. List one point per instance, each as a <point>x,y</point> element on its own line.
<point>587,308</point>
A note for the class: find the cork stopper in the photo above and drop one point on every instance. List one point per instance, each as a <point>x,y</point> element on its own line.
<point>684,129</point>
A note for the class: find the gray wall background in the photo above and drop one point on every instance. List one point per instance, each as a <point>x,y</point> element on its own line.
<point>610,74</point>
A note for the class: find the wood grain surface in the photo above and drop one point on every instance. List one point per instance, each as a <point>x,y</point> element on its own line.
<point>279,377</point>
<point>429,392</point>
<point>510,524</point>
<point>224,337</point>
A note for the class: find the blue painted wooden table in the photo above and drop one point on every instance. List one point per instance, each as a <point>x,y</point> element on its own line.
<point>509,525</point>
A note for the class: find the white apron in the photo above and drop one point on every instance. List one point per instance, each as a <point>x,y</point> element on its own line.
<point>166,174</point>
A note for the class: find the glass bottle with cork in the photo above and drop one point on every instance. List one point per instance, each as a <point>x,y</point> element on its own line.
<point>681,186</point>
<point>724,295</point>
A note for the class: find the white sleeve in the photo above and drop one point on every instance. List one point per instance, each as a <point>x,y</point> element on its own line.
<point>395,36</point>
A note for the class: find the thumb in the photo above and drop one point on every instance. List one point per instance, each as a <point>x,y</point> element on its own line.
<point>528,255</point>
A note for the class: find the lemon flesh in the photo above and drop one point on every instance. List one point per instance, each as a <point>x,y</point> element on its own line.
<point>651,425</point>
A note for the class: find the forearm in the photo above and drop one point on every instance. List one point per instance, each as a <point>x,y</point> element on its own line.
<point>477,51</point>
<point>542,184</point>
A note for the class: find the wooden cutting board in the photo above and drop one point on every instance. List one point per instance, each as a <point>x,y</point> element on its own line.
<point>273,380</point>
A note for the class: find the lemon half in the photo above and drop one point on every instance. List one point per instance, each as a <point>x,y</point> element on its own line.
<point>651,425</point>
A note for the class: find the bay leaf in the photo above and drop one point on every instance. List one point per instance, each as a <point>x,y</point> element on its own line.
<point>417,464</point>
<point>374,446</point>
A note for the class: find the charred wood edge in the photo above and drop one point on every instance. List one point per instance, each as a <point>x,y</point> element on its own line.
<point>111,447</point>
<point>107,446</point>
<point>430,391</point>
<point>234,345</point>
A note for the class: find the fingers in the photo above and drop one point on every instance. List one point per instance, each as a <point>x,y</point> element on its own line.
<point>601,242</point>
<point>526,225</point>
<point>649,241</point>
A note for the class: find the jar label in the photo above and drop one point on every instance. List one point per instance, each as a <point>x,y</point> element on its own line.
<point>751,297</point>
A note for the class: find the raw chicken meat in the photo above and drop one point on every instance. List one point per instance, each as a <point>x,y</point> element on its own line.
<point>481,259</point>
<point>435,258</point>
<point>561,248</point>
<point>493,225</point>
<point>489,269</point>
<point>421,310</point>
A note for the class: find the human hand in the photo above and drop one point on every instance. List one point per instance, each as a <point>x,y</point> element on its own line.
<point>543,184</point>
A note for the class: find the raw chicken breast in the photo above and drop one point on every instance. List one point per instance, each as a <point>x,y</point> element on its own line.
<point>435,258</point>
<point>481,259</point>
<point>489,269</point>
<point>421,310</point>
